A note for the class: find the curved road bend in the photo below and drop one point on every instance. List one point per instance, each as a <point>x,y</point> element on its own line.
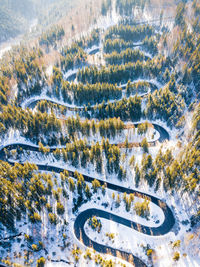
<point>81,236</point>
<point>164,135</point>
<point>32,102</point>
<point>85,215</point>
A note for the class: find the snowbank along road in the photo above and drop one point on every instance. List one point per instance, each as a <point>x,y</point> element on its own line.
<point>81,219</point>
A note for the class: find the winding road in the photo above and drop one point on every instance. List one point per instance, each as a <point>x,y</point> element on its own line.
<point>32,101</point>
<point>163,135</point>
<point>83,216</point>
<point>81,219</point>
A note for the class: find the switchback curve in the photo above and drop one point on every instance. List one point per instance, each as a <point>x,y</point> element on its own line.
<point>85,215</point>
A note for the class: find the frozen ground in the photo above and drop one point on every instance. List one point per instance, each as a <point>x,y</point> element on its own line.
<point>124,238</point>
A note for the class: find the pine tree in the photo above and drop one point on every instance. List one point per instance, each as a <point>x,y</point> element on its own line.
<point>118,201</point>
<point>95,185</point>
<point>126,144</point>
<point>132,161</point>
<point>71,185</point>
<point>60,208</point>
<point>137,175</point>
<point>144,145</point>
<point>79,187</point>
<point>103,189</point>
<point>87,192</point>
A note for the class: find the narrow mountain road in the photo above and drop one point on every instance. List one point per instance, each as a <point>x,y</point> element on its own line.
<point>81,219</point>
<point>163,135</point>
<point>32,101</point>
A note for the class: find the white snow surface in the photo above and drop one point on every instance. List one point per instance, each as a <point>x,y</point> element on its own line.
<point>125,238</point>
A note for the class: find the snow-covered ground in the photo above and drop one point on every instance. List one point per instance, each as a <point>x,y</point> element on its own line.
<point>125,238</point>
<point>44,96</point>
<point>60,247</point>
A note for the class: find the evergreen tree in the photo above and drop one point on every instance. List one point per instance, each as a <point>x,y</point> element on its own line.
<point>144,145</point>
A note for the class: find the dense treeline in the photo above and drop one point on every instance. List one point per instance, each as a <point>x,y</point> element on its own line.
<point>166,105</point>
<point>50,37</point>
<point>117,45</point>
<point>123,73</point>
<point>90,40</point>
<point>129,55</point>
<point>81,94</point>
<point>34,126</point>
<point>29,73</point>
<point>125,109</point>
<point>72,57</point>
<point>106,128</point>
<point>23,71</point>
<point>130,33</point>
<point>92,93</point>
<point>137,87</point>
<point>149,44</point>
<point>180,173</point>
<point>188,167</point>
<point>4,90</point>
